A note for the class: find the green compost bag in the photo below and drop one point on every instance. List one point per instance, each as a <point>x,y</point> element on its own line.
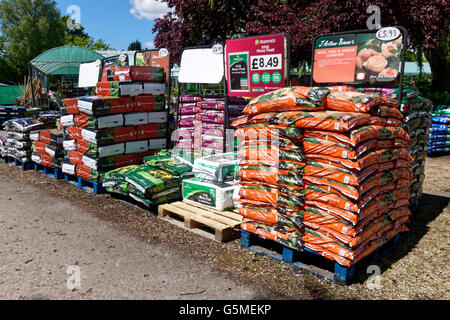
<point>148,180</point>
<point>170,165</point>
<point>115,180</point>
<point>159,198</point>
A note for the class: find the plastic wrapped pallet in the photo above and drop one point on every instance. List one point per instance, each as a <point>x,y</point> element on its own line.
<point>215,195</point>
<point>217,168</point>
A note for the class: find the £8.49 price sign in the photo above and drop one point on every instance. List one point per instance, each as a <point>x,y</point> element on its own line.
<point>256,65</point>
<point>269,62</point>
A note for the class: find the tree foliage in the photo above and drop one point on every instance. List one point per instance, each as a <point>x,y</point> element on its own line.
<point>78,37</point>
<point>135,46</point>
<point>29,27</point>
<point>197,22</point>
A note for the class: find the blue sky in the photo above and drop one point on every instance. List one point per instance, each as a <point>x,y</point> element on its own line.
<point>118,22</point>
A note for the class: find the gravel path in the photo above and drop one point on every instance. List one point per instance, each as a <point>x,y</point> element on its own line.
<point>42,236</point>
<point>126,252</point>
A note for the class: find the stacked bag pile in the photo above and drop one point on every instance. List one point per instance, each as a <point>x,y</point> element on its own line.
<point>18,142</point>
<point>156,182</point>
<point>189,135</point>
<point>125,122</point>
<point>201,123</point>
<point>213,184</point>
<point>48,148</point>
<point>3,148</point>
<point>417,121</point>
<point>330,172</point>
<point>212,125</point>
<point>272,165</point>
<point>440,132</point>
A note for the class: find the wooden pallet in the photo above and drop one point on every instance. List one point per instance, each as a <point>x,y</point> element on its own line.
<point>311,261</point>
<point>202,220</point>
<point>85,185</point>
<point>53,173</point>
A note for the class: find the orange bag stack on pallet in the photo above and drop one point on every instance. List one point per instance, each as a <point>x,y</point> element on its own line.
<point>355,176</point>
<point>272,192</point>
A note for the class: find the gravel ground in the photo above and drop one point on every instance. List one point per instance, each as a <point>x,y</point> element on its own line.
<point>418,269</point>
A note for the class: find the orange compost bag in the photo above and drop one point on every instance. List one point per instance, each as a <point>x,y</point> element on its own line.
<point>357,102</point>
<point>270,215</point>
<point>313,243</point>
<point>265,154</point>
<point>341,175</point>
<point>272,196</point>
<point>313,145</point>
<point>325,120</point>
<point>292,98</point>
<point>392,122</point>
<point>286,236</point>
<point>271,175</point>
<point>267,132</point>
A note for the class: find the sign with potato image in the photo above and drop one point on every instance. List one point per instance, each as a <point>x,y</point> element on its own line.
<point>357,58</point>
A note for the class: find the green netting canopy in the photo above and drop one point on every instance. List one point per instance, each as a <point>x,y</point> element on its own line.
<point>64,60</point>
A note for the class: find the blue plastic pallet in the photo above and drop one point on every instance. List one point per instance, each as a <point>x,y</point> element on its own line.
<point>11,112</point>
<point>311,261</point>
<point>83,184</point>
<point>20,164</point>
<point>53,173</point>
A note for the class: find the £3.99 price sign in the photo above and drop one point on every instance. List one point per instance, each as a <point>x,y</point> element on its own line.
<point>256,65</point>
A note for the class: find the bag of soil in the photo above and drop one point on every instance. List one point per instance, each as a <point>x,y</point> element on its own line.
<point>286,99</point>
<point>149,103</point>
<point>217,168</point>
<point>270,215</point>
<point>286,236</point>
<point>357,102</point>
<point>137,73</point>
<point>102,106</point>
<point>326,120</point>
<point>89,122</point>
<point>212,194</point>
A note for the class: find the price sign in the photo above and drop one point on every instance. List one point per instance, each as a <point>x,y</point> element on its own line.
<point>388,34</point>
<point>361,57</point>
<point>256,65</point>
<point>269,62</point>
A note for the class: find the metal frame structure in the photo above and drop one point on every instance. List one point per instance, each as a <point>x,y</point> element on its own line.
<point>225,92</point>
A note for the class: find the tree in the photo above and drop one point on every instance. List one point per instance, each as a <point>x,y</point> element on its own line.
<point>200,22</point>
<point>29,27</point>
<point>204,22</point>
<point>78,37</point>
<point>135,46</point>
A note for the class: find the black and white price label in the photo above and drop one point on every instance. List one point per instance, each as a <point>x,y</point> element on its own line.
<point>388,34</point>
<point>267,62</point>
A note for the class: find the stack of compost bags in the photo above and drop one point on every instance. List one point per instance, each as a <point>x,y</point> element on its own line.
<point>351,193</point>
<point>48,148</point>
<point>3,148</point>
<point>440,132</point>
<point>213,185</point>
<point>210,134</point>
<point>156,182</point>
<point>188,125</point>
<point>18,142</point>
<point>417,121</point>
<point>201,124</point>
<point>272,165</point>
<point>118,127</point>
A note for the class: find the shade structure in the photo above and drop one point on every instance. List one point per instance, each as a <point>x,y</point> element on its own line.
<point>64,60</point>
